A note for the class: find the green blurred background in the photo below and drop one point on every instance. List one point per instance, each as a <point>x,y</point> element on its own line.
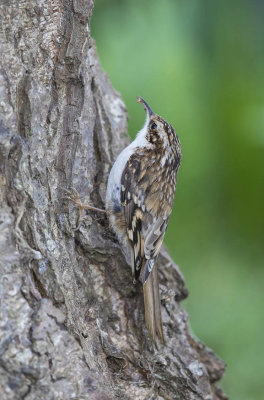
<point>200,64</point>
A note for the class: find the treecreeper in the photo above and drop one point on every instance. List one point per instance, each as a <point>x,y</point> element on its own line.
<point>139,199</point>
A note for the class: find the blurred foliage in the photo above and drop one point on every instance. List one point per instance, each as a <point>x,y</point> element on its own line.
<point>200,64</point>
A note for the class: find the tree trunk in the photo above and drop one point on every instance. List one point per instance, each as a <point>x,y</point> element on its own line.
<point>72,322</point>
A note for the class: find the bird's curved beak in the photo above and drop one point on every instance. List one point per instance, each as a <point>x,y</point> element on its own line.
<point>145,105</point>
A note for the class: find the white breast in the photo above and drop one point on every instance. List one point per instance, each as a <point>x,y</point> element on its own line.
<point>113,196</point>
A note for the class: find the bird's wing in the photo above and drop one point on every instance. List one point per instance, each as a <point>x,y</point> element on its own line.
<point>145,228</point>
<point>131,202</point>
<point>153,244</point>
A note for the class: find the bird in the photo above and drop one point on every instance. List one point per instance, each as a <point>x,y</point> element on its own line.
<point>139,198</point>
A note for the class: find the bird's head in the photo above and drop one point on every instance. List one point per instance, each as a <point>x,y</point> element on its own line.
<point>159,132</point>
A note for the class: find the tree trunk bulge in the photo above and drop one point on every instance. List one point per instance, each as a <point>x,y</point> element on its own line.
<point>72,323</point>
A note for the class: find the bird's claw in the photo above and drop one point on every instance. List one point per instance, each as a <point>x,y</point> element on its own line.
<point>74,196</point>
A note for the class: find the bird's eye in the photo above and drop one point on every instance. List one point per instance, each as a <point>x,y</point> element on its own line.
<point>153,126</point>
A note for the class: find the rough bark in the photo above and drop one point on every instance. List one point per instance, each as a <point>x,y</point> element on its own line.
<point>72,323</point>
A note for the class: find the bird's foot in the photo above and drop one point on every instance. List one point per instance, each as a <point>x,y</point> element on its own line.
<point>73,195</point>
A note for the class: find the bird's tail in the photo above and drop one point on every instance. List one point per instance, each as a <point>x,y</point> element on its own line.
<point>153,307</point>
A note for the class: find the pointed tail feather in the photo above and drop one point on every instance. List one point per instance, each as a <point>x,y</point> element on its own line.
<point>153,307</point>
